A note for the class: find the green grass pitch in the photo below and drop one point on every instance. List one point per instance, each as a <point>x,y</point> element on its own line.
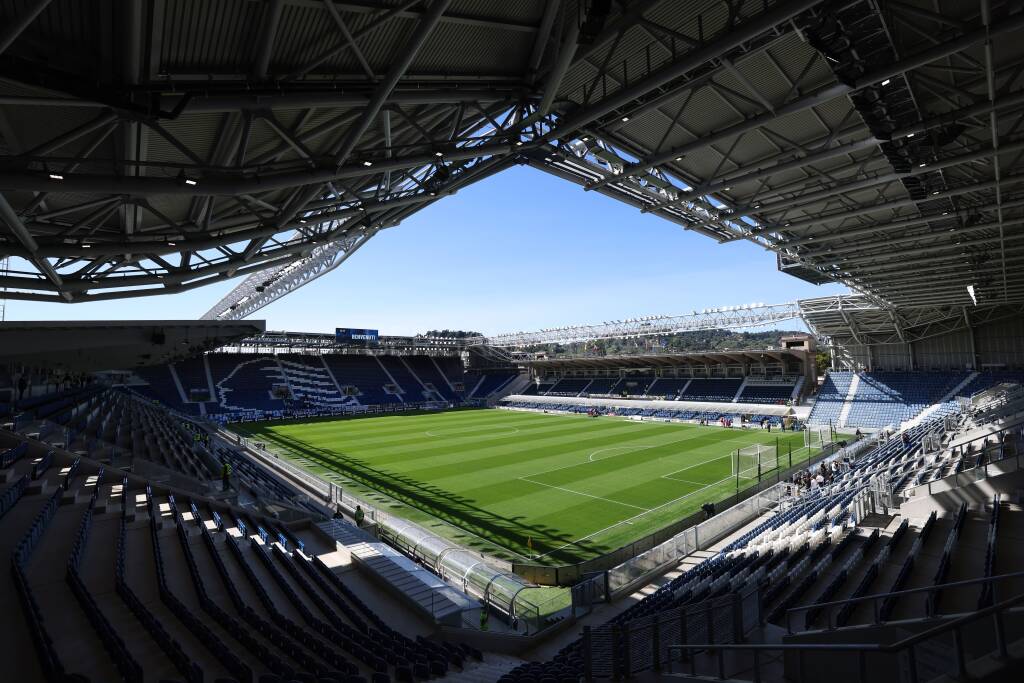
<point>523,486</point>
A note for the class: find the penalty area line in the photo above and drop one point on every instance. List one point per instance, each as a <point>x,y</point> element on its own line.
<point>588,495</point>
<point>690,467</point>
<point>628,520</point>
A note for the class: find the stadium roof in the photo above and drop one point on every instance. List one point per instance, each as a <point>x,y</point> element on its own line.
<point>115,344</point>
<point>669,358</point>
<point>171,144</point>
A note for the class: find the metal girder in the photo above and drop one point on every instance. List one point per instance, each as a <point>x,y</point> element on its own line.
<point>728,317</point>
<point>267,286</point>
<point>858,320</point>
<point>15,28</point>
<point>199,167</point>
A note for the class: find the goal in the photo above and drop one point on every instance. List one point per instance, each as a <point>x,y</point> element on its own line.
<point>751,462</point>
<point>817,437</point>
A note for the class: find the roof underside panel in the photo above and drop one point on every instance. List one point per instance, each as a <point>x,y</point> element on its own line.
<point>172,144</point>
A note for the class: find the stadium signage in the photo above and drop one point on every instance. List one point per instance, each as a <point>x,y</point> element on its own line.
<point>347,334</point>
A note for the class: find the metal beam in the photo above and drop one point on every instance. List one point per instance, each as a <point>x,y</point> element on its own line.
<point>15,28</point>
<point>828,94</point>
<point>727,317</point>
<point>268,34</point>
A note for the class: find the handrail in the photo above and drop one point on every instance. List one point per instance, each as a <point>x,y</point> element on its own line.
<point>900,593</point>
<point>954,625</point>
<point>911,492</point>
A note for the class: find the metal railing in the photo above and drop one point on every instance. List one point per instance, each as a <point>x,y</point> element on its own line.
<point>1007,446</point>
<point>619,650</point>
<point>904,652</point>
<point>877,598</point>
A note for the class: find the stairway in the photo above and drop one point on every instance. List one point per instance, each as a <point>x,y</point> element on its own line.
<point>848,401</point>
<point>491,669</point>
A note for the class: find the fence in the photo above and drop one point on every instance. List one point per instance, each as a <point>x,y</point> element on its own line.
<point>568,574</point>
<point>994,454</point>
<point>618,651</point>
<point>622,577</point>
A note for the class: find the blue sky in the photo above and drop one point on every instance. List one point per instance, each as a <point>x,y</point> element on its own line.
<point>519,251</point>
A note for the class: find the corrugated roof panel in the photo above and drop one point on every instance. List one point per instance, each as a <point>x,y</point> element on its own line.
<point>201,36</point>
<point>487,50</point>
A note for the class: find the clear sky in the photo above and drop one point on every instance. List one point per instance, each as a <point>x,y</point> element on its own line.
<point>519,251</point>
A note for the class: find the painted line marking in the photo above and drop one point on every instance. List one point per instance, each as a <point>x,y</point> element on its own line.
<point>628,521</point>
<point>690,467</point>
<point>588,495</point>
<point>469,431</point>
<point>590,458</point>
<point>686,481</point>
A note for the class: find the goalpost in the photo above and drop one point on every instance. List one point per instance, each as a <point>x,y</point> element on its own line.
<point>750,462</point>
<point>817,437</point>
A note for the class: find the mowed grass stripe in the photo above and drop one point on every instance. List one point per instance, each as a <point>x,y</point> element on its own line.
<point>574,486</point>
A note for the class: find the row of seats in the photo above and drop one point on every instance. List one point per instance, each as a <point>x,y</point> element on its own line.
<point>786,554</point>
<point>710,416</point>
<point>882,399</point>
<point>328,382</point>
<point>670,388</point>
<point>337,637</point>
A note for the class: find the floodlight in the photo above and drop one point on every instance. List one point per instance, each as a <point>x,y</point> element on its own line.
<point>56,176</point>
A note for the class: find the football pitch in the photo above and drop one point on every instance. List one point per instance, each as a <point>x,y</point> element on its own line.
<point>529,487</point>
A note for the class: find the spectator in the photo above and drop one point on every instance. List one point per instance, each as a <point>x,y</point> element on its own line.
<point>225,476</point>
<point>359,515</point>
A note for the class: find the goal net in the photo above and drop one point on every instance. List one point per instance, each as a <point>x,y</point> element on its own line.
<point>750,462</point>
<point>817,437</point>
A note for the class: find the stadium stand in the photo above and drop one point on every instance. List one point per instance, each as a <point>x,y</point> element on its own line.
<point>491,383</point>
<point>413,389</point>
<point>200,590</point>
<point>601,386</point>
<point>884,399</point>
<point>766,393</point>
<point>430,373</point>
<point>669,387</point>
<point>245,383</point>
<point>568,386</point>
<point>632,385</point>
<point>717,390</point>
<point>822,561</point>
<point>831,396</point>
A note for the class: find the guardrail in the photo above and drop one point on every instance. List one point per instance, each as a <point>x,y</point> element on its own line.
<point>1006,451</point>
<point>877,597</point>
<point>933,643</point>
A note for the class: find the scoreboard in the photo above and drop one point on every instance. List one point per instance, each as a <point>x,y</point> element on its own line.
<point>351,334</point>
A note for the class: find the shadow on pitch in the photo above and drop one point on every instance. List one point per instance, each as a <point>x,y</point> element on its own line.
<point>460,512</point>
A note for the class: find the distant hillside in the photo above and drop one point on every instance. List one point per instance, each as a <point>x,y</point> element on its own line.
<point>705,340</point>
<point>451,334</point>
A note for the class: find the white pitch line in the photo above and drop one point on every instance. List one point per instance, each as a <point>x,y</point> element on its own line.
<point>469,432</point>
<point>631,449</point>
<point>690,467</point>
<point>580,493</point>
<point>628,520</point>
